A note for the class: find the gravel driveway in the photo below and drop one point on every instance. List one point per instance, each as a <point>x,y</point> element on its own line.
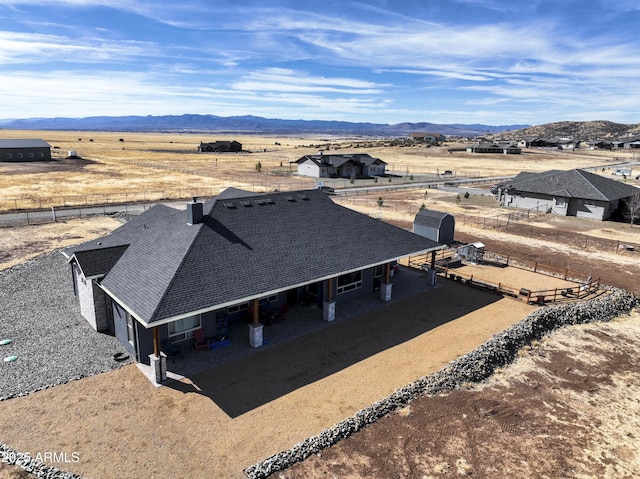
<point>53,343</point>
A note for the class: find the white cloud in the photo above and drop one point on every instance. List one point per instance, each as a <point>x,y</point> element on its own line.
<point>18,48</point>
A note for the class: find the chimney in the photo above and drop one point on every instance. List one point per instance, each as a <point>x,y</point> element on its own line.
<point>194,211</point>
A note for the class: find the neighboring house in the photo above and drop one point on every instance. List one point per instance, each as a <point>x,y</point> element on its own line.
<point>566,193</point>
<point>503,149</point>
<point>555,143</point>
<point>168,273</point>
<point>435,225</point>
<point>24,150</point>
<point>360,165</point>
<point>629,142</point>
<point>428,137</point>
<point>600,145</point>
<point>220,147</point>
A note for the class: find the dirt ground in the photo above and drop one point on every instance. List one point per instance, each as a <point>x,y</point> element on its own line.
<point>220,421</point>
<point>567,408</point>
<point>546,416</point>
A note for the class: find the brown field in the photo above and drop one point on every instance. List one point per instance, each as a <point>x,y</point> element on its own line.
<point>549,415</point>
<point>153,166</point>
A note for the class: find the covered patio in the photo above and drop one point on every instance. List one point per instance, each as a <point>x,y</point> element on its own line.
<point>300,320</point>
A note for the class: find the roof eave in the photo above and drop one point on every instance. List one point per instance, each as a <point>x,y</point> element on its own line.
<point>262,294</point>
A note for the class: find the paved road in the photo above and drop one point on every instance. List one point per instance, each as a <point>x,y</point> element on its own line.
<point>43,216</point>
<point>22,217</point>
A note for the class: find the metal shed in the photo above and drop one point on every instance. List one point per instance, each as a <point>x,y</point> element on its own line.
<point>435,225</point>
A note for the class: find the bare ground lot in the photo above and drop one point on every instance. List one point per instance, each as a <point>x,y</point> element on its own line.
<point>567,408</point>
<point>118,423</point>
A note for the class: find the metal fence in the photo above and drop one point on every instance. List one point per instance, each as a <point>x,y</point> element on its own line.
<point>517,223</point>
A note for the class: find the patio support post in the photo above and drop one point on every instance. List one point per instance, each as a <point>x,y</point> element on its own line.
<point>256,338</point>
<point>256,311</point>
<point>329,305</point>
<point>158,360</point>
<point>156,341</point>
<point>431,272</point>
<point>385,288</point>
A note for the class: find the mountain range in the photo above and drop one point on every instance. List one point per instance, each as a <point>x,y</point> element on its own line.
<point>247,125</point>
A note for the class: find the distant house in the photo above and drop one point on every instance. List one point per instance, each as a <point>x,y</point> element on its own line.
<point>554,143</point>
<point>428,137</point>
<point>168,273</point>
<point>24,150</point>
<point>360,165</point>
<point>630,142</point>
<point>503,149</point>
<point>435,225</point>
<point>600,145</point>
<point>566,193</point>
<point>220,147</point>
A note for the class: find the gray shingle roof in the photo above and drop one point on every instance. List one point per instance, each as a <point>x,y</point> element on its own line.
<point>429,218</point>
<point>98,262</point>
<point>26,143</point>
<point>572,184</point>
<point>337,160</point>
<point>245,247</point>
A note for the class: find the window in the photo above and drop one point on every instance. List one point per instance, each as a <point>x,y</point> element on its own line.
<point>350,281</point>
<point>20,155</point>
<point>238,307</point>
<point>378,271</point>
<point>184,328</point>
<point>41,155</point>
<point>29,155</point>
<point>9,155</point>
<point>560,202</point>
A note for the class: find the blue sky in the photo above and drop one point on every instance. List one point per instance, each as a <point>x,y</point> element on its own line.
<point>385,61</point>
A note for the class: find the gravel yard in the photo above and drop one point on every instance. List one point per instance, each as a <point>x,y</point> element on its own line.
<point>53,343</point>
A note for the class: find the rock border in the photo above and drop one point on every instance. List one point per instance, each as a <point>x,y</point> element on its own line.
<point>472,367</point>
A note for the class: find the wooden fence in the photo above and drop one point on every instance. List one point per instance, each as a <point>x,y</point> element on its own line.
<point>583,285</point>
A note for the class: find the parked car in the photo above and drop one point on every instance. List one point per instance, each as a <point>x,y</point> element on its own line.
<point>326,189</point>
<point>622,172</point>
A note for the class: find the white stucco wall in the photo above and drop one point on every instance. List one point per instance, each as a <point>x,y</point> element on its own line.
<point>598,210</point>
<point>309,168</point>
